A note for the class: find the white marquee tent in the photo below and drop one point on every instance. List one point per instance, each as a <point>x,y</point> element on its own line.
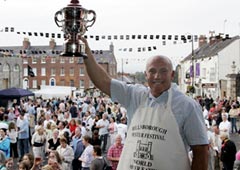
<point>48,92</point>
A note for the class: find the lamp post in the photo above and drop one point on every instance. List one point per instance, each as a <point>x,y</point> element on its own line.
<point>122,69</point>
<point>193,71</point>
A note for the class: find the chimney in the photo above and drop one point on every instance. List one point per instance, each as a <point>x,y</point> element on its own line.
<point>26,43</point>
<point>111,47</point>
<point>219,37</point>
<point>52,43</point>
<point>212,38</point>
<point>202,40</point>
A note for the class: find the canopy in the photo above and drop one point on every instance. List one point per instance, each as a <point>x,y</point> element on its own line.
<point>14,92</point>
<point>48,92</point>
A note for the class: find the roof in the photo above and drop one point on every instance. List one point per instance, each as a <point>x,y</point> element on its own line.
<point>207,50</point>
<point>102,56</point>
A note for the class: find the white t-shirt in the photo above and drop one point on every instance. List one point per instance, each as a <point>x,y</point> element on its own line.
<point>122,130</point>
<point>103,130</point>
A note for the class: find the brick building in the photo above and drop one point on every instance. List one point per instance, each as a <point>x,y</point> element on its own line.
<point>52,69</point>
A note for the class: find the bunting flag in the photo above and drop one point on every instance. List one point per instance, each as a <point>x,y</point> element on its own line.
<point>165,39</point>
<point>30,71</point>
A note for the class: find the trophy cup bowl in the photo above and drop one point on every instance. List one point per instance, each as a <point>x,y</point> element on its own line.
<point>74,21</point>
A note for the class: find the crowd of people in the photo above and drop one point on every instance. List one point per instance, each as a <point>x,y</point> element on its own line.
<point>221,120</point>
<point>71,133</point>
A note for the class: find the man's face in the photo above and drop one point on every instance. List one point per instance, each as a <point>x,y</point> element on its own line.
<point>159,75</point>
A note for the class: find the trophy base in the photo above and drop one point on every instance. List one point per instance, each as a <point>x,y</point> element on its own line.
<point>70,54</point>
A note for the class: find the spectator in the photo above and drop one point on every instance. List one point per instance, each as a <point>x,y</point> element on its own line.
<point>78,148</point>
<point>12,133</point>
<point>95,139</point>
<point>66,153</point>
<point>23,134</point>
<point>228,151</point>
<point>122,129</point>
<point>86,156</point>
<point>225,125</point>
<point>98,162</point>
<point>114,152</point>
<point>28,159</point>
<point>38,142</point>
<point>55,160</point>
<point>5,143</point>
<point>112,128</point>
<point>103,124</point>
<point>54,142</point>
<point>10,164</point>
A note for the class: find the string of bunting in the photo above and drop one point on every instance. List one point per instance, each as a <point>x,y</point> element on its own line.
<point>175,38</point>
<point>165,38</point>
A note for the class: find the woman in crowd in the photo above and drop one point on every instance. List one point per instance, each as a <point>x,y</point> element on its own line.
<point>112,128</point>
<point>54,142</point>
<point>38,142</point>
<point>54,160</point>
<point>28,158</point>
<point>72,126</point>
<point>23,166</point>
<point>12,133</point>
<point>5,142</point>
<point>86,156</point>
<point>9,164</point>
<point>66,153</point>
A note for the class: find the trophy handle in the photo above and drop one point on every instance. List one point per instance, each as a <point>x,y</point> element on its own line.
<point>92,20</point>
<point>57,21</point>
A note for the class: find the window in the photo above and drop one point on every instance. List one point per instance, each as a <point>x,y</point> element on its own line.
<point>16,67</point>
<point>71,83</point>
<point>81,84</point>
<point>62,60</point>
<point>34,60</point>
<point>71,60</point>
<point>34,82</point>
<point>71,71</point>
<point>82,71</point>
<point>43,82</point>
<point>25,72</point>
<point>43,60</point>
<point>6,67</point>
<point>34,71</point>
<point>62,82</point>
<point>53,71</point>
<point>212,74</point>
<point>204,73</point>
<point>62,71</point>
<point>25,61</point>
<point>53,60</point>
<point>43,71</point>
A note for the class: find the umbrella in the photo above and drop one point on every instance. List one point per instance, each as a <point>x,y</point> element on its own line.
<point>15,93</point>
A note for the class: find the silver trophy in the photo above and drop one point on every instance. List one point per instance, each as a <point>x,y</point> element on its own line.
<point>74,21</point>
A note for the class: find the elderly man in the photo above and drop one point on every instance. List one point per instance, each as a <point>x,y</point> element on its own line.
<point>163,122</point>
<point>114,152</point>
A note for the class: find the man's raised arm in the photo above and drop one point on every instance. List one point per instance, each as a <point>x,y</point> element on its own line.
<point>97,74</point>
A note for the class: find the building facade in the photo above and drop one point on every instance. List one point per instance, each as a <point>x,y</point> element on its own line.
<point>52,69</point>
<point>208,67</point>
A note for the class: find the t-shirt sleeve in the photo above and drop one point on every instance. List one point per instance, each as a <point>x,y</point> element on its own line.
<point>194,126</point>
<point>127,93</point>
<point>120,92</point>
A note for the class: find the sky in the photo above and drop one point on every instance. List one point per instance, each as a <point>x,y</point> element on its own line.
<point>126,17</point>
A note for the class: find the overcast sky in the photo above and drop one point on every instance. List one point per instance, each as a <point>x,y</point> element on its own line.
<point>126,17</point>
